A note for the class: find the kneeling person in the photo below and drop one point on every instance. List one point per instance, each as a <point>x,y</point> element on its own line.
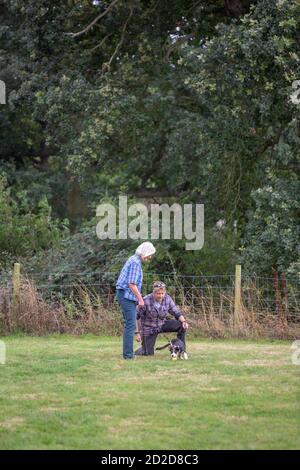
<point>152,319</point>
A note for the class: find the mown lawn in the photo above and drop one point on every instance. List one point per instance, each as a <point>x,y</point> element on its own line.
<point>64,392</point>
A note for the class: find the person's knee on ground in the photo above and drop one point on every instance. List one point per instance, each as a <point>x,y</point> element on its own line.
<point>141,352</point>
<point>147,348</point>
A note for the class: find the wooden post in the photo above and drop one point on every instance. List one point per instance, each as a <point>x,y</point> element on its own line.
<point>16,285</point>
<point>2,352</point>
<point>237,294</point>
<point>277,291</point>
<point>285,296</point>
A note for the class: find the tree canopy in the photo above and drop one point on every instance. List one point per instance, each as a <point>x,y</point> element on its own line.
<point>185,99</point>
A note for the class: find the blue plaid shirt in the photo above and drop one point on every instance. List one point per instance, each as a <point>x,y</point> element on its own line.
<point>131,273</point>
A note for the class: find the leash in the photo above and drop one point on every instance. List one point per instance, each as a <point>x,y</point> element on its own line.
<point>165,346</point>
<point>168,339</point>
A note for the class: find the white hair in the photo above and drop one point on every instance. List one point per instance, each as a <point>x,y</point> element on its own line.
<point>145,249</point>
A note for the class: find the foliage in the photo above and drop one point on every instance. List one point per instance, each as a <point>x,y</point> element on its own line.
<point>22,231</point>
<point>273,231</point>
<point>192,100</point>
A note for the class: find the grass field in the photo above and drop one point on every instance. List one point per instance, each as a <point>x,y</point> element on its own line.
<point>64,392</point>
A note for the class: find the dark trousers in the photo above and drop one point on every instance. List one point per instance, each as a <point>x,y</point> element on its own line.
<point>148,342</point>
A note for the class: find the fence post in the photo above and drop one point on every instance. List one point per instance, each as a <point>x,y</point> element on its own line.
<point>285,293</point>
<point>237,294</point>
<point>277,291</point>
<point>16,285</point>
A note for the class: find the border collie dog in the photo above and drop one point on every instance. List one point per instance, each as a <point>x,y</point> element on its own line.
<point>176,348</point>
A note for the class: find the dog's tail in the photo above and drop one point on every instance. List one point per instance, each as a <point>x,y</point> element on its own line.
<point>162,347</point>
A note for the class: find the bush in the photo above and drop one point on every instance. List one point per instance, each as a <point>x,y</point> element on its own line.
<point>25,230</point>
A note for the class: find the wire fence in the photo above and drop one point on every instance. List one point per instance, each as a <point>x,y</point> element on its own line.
<point>214,292</point>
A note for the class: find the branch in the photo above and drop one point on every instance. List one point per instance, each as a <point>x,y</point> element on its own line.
<point>89,26</point>
<point>100,44</point>
<point>292,166</point>
<point>270,143</point>
<point>177,43</point>
<point>107,65</point>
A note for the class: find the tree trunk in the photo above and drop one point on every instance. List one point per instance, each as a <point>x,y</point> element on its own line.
<point>236,8</point>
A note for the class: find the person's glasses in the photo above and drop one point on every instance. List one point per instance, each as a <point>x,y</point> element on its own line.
<point>159,285</point>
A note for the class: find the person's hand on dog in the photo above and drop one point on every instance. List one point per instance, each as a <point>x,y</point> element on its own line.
<point>184,323</point>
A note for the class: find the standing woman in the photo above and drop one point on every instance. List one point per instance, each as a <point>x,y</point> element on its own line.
<point>129,286</point>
